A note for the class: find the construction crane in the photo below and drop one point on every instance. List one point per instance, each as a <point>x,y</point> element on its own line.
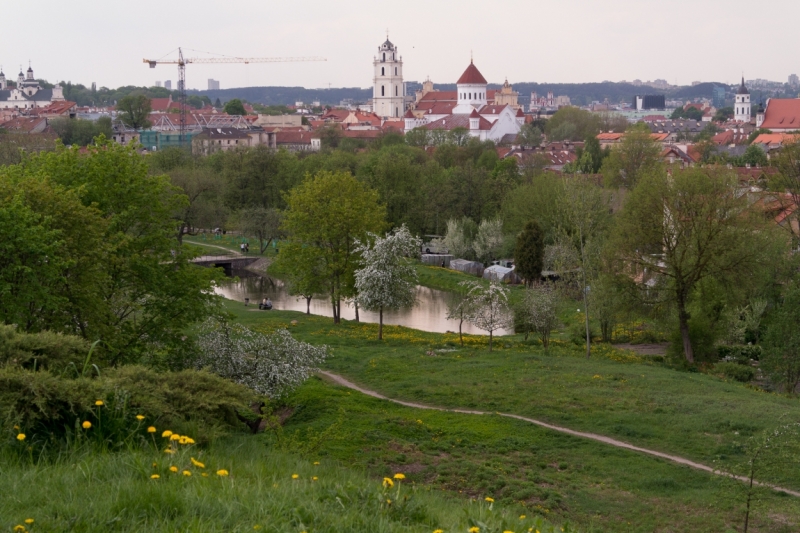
<point>183,61</point>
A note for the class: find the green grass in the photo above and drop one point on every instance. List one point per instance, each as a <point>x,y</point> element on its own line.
<point>615,393</point>
<point>228,242</point>
<point>85,491</point>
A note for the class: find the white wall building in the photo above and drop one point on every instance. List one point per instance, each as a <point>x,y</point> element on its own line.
<point>741,105</point>
<point>27,94</point>
<point>389,90</point>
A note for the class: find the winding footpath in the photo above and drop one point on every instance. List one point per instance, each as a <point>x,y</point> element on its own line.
<point>339,380</point>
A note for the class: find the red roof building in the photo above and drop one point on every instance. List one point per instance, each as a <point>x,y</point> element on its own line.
<point>782,115</point>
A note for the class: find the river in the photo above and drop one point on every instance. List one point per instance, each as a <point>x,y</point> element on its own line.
<point>430,313</point>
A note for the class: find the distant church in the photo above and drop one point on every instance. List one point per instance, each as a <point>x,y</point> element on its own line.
<point>388,95</point>
<point>27,94</point>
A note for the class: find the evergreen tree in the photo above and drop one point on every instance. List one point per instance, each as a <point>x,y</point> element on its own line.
<point>529,252</point>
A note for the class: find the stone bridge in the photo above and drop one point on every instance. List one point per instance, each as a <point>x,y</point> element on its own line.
<point>228,263</point>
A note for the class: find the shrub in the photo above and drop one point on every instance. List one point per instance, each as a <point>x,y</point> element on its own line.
<point>735,371</point>
<point>739,353</point>
<point>45,349</point>
<point>48,406</point>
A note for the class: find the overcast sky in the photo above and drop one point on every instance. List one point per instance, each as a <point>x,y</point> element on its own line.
<point>524,40</point>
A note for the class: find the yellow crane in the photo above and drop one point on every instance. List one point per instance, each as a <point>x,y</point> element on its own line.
<point>183,61</point>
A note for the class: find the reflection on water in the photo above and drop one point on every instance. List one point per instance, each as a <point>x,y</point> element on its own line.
<point>430,313</point>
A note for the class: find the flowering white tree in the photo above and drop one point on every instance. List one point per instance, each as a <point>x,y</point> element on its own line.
<point>387,279</point>
<point>488,307</point>
<point>540,309</point>
<point>271,365</point>
<point>456,240</point>
<point>489,240</point>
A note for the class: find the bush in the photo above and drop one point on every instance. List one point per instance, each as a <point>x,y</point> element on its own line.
<point>735,371</point>
<point>739,353</point>
<point>45,349</point>
<point>50,407</point>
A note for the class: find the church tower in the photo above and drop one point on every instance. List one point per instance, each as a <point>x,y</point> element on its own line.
<point>471,90</point>
<point>741,106</point>
<point>388,93</point>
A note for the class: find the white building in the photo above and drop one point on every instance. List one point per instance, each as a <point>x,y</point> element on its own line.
<point>389,90</point>
<point>472,106</point>
<point>741,105</point>
<point>27,94</point>
<point>213,85</point>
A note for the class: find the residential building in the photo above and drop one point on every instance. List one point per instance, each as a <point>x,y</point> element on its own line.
<point>388,94</point>
<point>211,140</point>
<point>272,121</point>
<point>213,85</point>
<point>168,85</point>
<point>741,105</point>
<point>794,81</point>
<point>27,94</point>
<point>158,84</point>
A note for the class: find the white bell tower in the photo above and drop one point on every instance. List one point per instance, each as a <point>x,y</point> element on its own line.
<point>388,93</point>
<point>741,104</point>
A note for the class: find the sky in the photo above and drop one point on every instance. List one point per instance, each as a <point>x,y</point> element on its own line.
<point>557,41</point>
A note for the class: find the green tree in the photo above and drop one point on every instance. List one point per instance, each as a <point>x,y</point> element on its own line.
<point>723,114</point>
<point>234,107</point>
<point>326,215</point>
<point>133,111</point>
<point>755,156</point>
<point>635,156</point>
<point>529,252</point>
<point>530,135</point>
<point>781,358</point>
<point>204,207</point>
<point>682,229</point>
<point>690,113</point>
<point>262,223</point>
<point>573,124</point>
<point>418,137</point>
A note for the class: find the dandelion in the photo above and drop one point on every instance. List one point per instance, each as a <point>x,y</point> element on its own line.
<point>256,527</point>
<point>197,463</point>
<point>21,437</point>
<point>522,517</point>
<point>183,440</point>
<point>438,531</point>
<point>174,436</point>
<point>474,529</point>
<point>507,531</point>
<point>488,499</point>
<point>151,429</point>
<point>173,469</point>
<point>169,450</point>
<point>388,501</point>
<point>387,482</point>
<point>19,528</point>
<point>315,478</point>
<point>155,465</point>
<point>155,476</point>
<point>399,476</point>
<point>29,521</point>
<point>86,424</point>
<point>16,427</point>
<point>189,440</point>
<point>98,403</point>
<point>139,417</point>
<point>316,463</point>
<point>222,473</point>
<point>166,434</point>
<point>186,473</point>
<point>204,474</point>
<point>295,476</point>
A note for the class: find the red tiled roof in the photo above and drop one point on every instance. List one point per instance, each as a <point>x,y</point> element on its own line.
<point>293,137</point>
<point>451,122</point>
<point>55,108</point>
<point>609,136</point>
<point>520,113</point>
<point>160,105</point>
<point>782,113</point>
<point>362,134</point>
<point>774,138</point>
<point>440,96</point>
<point>408,114</point>
<point>438,108</point>
<point>472,75</point>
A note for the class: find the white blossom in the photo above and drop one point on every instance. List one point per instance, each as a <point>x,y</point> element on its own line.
<point>489,240</point>
<point>271,365</point>
<point>456,240</point>
<point>541,311</point>
<point>487,306</point>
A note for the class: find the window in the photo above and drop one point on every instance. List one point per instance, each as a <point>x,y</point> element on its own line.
<point>396,112</point>
<point>382,72</point>
<point>470,96</point>
<point>395,71</point>
<point>384,56</point>
<point>383,92</point>
<point>395,90</point>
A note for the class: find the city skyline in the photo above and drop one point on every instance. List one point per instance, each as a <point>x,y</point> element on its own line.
<point>524,42</point>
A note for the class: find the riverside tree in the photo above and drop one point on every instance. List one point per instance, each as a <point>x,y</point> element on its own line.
<point>684,228</point>
<point>488,306</point>
<point>262,223</point>
<point>387,280</point>
<point>327,214</point>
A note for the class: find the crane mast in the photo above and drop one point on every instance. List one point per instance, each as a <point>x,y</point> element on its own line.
<point>182,62</point>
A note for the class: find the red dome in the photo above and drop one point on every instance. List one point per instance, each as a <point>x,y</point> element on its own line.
<point>472,75</point>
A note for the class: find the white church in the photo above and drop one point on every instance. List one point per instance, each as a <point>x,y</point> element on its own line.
<point>741,105</point>
<point>388,95</point>
<point>27,94</point>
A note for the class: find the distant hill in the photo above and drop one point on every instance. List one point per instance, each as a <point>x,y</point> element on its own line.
<point>579,93</point>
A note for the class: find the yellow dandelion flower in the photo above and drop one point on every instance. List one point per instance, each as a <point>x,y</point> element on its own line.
<point>183,440</point>
<point>197,463</point>
<point>86,424</point>
<point>189,440</point>
<point>155,465</point>
<point>488,499</point>
<point>507,531</point>
<point>174,436</point>
<point>19,528</point>
<point>438,531</point>
<point>186,473</point>
<point>155,476</point>
<point>388,501</point>
<point>399,476</point>
<point>98,403</point>
<point>295,476</point>
<point>387,482</point>
<point>16,427</point>
<point>151,429</point>
<point>315,478</point>
<point>222,472</point>
<point>166,434</point>
<point>256,527</point>
<point>316,463</point>
<point>474,529</point>
<point>204,474</point>
<point>169,450</point>
<point>139,417</point>
<point>173,469</point>
<point>29,521</point>
<point>21,437</point>
<point>522,517</point>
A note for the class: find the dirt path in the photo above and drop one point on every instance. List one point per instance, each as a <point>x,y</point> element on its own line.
<point>231,252</point>
<point>339,380</point>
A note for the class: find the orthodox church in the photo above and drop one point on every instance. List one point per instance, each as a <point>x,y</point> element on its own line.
<point>27,94</point>
<point>471,106</point>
